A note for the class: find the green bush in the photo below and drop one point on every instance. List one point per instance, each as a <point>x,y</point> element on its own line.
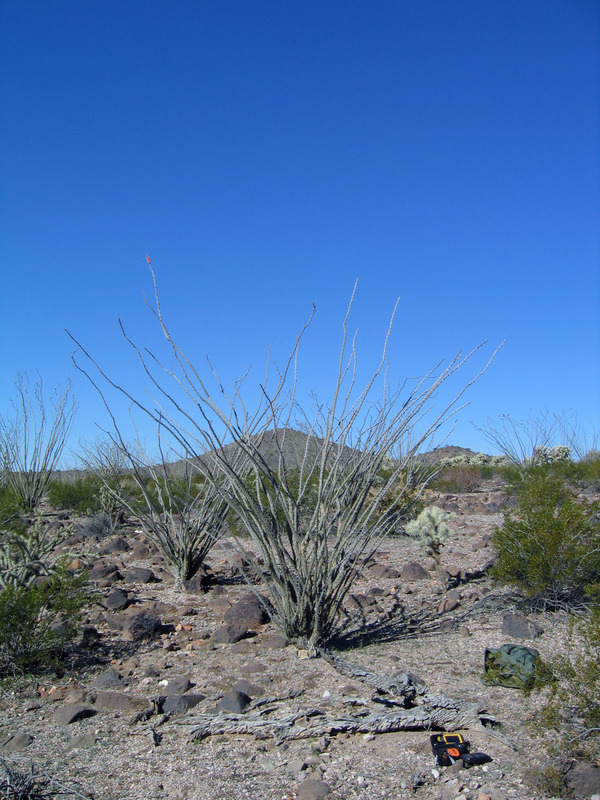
<point>10,511</point>
<point>549,545</point>
<point>37,621</point>
<point>80,495</point>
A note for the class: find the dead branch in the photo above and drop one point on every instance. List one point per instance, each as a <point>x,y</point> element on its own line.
<point>422,710</point>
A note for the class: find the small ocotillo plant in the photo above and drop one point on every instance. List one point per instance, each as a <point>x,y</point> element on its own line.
<point>32,440</point>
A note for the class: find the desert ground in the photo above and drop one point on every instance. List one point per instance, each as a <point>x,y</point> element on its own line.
<point>105,729</point>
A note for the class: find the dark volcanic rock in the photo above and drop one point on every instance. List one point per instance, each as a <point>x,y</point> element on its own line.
<point>108,679</point>
<point>117,600</point>
<point>181,703</point>
<point>228,634</point>
<point>197,584</point>
<point>583,779</point>
<point>179,685</point>
<point>383,571</point>
<point>143,625</point>
<point>69,714</point>
<point>114,701</point>
<point>251,610</point>
<point>140,575</point>
<point>413,571</point>
<point>114,545</point>
<point>251,689</point>
<point>234,701</point>
<point>16,742</point>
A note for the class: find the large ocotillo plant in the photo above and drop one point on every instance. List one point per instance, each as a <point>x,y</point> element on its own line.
<point>313,501</point>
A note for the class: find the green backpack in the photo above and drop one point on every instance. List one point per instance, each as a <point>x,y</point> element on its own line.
<point>511,665</point>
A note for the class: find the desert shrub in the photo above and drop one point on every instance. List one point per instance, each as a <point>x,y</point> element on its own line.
<point>569,718</point>
<point>18,783</point>
<point>370,423</point>
<point>80,495</point>
<point>11,517</point>
<point>37,621</point>
<point>27,554</point>
<point>457,478</point>
<point>181,513</point>
<point>549,545</point>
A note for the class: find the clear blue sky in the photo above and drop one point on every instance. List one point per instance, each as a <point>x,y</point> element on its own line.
<point>265,154</point>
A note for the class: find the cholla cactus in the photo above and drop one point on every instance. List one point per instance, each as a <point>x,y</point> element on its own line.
<point>111,507</point>
<point>551,455</point>
<point>475,460</point>
<point>431,529</point>
<point>26,556</point>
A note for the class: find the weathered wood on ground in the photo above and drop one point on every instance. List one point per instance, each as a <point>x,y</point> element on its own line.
<point>419,710</point>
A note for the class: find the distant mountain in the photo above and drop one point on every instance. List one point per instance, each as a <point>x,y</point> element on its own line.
<point>293,444</point>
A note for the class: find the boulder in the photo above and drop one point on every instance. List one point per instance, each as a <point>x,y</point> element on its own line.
<point>143,625</point>
<point>413,571</point>
<point>228,634</point>
<point>313,790</point>
<point>248,688</point>
<point>179,685</point>
<point>234,701</point>
<point>67,715</point>
<point>383,571</point>
<point>181,703</point>
<point>117,600</point>
<point>583,779</point>
<point>140,575</point>
<point>107,679</point>
<point>519,627</point>
<point>16,742</point>
<point>197,584</point>
<point>251,610</point>
<point>112,701</point>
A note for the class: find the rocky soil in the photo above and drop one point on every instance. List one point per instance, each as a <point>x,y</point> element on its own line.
<point>154,661</point>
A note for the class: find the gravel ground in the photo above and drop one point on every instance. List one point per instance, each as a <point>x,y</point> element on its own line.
<point>112,759</point>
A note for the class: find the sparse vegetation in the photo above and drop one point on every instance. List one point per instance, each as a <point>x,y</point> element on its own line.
<point>569,719</point>
<point>80,495</point>
<point>458,478</point>
<point>32,442</point>
<point>17,783</point>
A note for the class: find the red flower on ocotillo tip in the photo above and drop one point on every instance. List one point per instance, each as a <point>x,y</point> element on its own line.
<point>148,259</point>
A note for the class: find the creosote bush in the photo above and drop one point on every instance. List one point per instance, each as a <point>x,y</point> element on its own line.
<point>39,599</point>
<point>80,495</point>
<point>38,620</point>
<point>568,721</point>
<point>549,545</point>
